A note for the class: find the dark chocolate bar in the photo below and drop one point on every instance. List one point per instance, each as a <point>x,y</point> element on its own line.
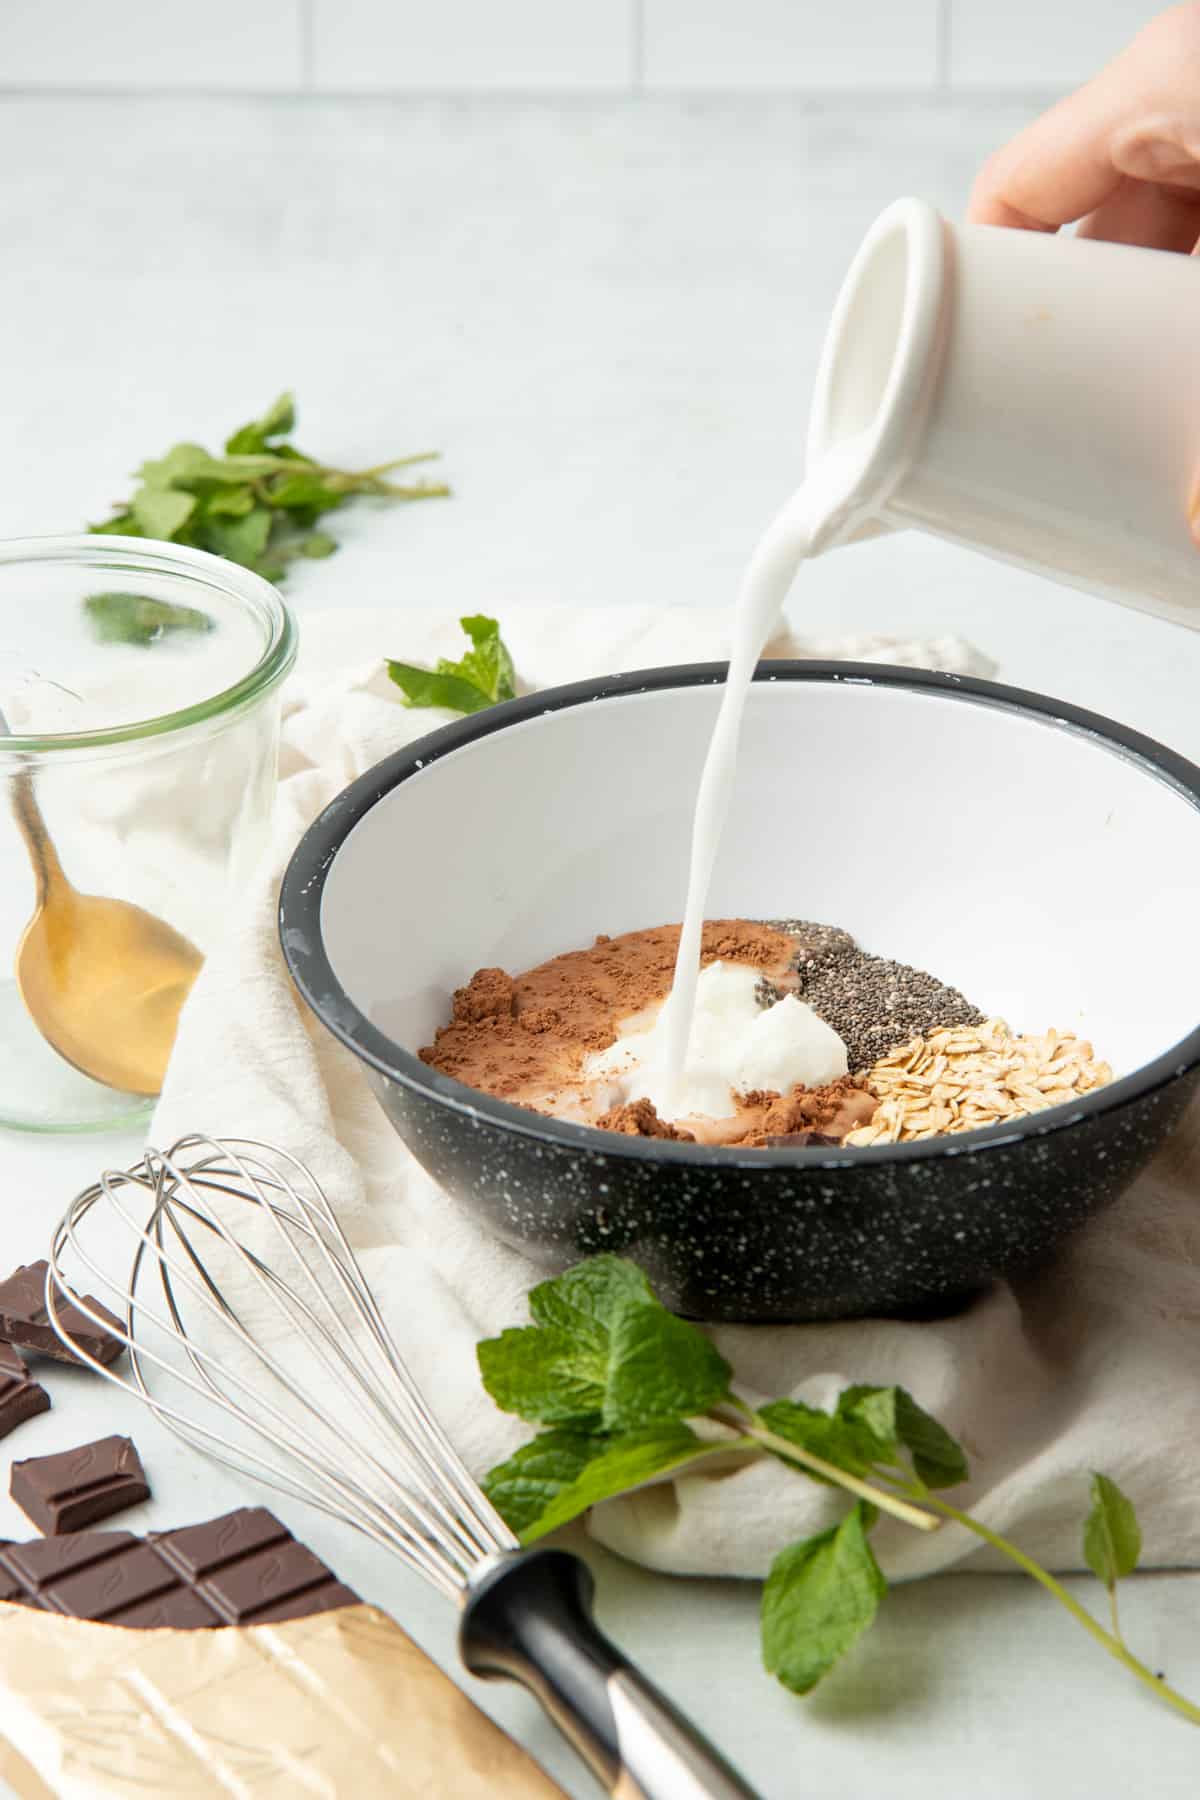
<point>20,1395</point>
<point>25,1321</point>
<point>242,1569</point>
<point>74,1488</point>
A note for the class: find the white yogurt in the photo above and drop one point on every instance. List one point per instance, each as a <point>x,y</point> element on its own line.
<point>735,1046</point>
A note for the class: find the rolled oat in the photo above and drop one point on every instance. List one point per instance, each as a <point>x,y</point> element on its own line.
<point>965,1077</point>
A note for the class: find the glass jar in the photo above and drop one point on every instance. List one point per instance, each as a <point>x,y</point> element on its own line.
<point>139,732</point>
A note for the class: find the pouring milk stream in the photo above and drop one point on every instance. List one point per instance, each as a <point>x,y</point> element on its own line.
<point>958,390</point>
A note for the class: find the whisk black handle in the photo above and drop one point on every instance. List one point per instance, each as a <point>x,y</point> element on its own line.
<point>529,1617</point>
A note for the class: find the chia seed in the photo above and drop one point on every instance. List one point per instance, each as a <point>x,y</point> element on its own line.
<point>873,1003</point>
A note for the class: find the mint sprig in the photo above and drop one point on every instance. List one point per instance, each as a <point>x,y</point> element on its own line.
<point>482,677</point>
<point>629,1394</point>
<point>259,503</point>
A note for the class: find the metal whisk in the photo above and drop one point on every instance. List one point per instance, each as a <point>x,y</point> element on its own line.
<point>253,1334</point>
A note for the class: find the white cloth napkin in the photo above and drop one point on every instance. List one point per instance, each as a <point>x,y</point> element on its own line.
<point>1091,1364</point>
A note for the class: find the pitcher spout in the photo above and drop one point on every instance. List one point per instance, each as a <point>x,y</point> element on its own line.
<point>878,369</point>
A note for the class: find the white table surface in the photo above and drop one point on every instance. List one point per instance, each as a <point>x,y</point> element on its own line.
<point>607,314</point>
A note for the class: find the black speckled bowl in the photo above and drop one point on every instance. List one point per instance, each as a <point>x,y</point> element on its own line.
<point>1044,860</point>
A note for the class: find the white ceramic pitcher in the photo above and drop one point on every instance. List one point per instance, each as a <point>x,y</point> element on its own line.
<point>1033,396</point>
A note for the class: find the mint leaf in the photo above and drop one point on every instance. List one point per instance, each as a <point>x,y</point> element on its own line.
<point>545,1375</point>
<point>318,544</point>
<point>872,1410</point>
<point>894,1418</point>
<point>482,677</point>
<point>819,1597</point>
<point>660,1368</point>
<point>230,503</point>
<point>275,422</point>
<point>939,1459</point>
<point>626,1462</point>
<point>588,1298</point>
<point>191,466</point>
<point>242,540</point>
<point>1112,1537</point>
<point>561,1473</point>
<point>122,524</point>
<point>488,666</point>
<point>175,468</point>
<point>602,1353</point>
<point>203,471</point>
<point>307,490</point>
<point>135,619</point>
<point>429,687</point>
<point>848,1443</point>
<point>160,512</point>
<point>522,1488</point>
<point>279,418</point>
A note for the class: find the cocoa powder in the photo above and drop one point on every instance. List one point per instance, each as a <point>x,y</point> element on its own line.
<point>763,1120</point>
<point>832,1111</point>
<point>488,995</point>
<point>524,1037</point>
<point>637,1118</point>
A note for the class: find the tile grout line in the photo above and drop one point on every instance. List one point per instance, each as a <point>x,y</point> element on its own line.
<point>945,26</point>
<point>637,46</point>
<point>304,25</point>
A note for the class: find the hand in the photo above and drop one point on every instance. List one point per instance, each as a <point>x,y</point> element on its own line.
<point>1122,155</point>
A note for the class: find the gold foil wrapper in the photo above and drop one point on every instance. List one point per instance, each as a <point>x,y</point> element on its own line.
<point>339,1704</point>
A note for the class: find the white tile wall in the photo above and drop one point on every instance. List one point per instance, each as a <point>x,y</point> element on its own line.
<point>254,45</point>
<point>441,44</point>
<point>522,45</point>
<point>1045,43</point>
<point>723,44</point>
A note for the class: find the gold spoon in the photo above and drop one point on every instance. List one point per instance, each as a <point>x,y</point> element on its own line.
<point>103,980</point>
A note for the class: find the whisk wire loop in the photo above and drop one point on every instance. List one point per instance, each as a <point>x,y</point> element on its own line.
<point>333,1491</point>
<point>425,1440</point>
<point>351,1431</point>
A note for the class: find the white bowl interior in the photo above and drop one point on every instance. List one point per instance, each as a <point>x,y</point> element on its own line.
<point>1049,876</point>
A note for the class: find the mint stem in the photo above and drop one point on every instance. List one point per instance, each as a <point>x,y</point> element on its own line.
<point>397,462</point>
<point>418,490</point>
<point>807,1459</point>
<point>1115,1645</point>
